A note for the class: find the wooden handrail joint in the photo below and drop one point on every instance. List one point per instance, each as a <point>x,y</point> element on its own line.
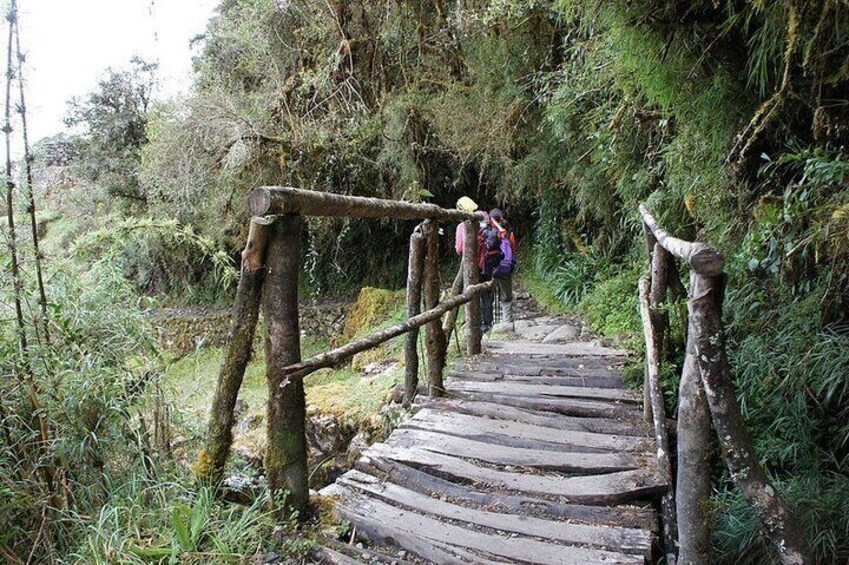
<point>701,257</point>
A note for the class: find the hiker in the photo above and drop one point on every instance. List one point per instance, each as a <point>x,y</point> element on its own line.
<point>495,259</point>
<point>503,273</point>
<point>465,204</point>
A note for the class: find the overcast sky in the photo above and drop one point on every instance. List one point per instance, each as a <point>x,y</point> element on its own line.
<point>70,43</point>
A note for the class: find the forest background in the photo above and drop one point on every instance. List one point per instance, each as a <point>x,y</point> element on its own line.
<point>729,118</point>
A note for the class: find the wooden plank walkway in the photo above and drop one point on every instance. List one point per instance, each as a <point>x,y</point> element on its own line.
<point>539,454</point>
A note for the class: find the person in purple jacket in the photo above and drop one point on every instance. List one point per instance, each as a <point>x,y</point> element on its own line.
<point>503,273</point>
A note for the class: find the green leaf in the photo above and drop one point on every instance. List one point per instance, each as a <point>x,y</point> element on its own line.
<point>179,513</point>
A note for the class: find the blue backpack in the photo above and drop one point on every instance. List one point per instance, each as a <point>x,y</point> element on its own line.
<point>489,250</point>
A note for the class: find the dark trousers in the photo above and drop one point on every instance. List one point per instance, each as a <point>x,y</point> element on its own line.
<point>486,305</point>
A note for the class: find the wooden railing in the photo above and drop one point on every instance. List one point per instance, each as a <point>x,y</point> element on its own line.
<point>271,264</point>
<point>706,396</point>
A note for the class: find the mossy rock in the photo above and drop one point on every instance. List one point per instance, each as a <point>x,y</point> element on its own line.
<point>372,307</point>
<point>361,360</point>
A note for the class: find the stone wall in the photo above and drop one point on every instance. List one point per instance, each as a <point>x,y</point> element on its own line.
<point>187,329</point>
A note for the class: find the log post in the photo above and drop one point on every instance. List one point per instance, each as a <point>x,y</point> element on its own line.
<point>660,265</point>
<point>286,455</point>
<point>659,283</point>
<point>219,435</point>
<point>777,522</point>
<point>651,241</point>
<point>451,317</point>
<point>435,342</point>
<point>414,304</point>
<point>667,503</point>
<point>692,493</point>
<point>471,274</point>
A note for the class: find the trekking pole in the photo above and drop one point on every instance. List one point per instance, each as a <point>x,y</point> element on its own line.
<point>496,305</point>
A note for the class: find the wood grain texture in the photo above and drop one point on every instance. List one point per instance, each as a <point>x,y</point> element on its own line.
<point>538,454</point>
<point>520,549</point>
<point>626,540</point>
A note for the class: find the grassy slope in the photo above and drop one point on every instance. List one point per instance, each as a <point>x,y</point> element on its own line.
<point>345,393</point>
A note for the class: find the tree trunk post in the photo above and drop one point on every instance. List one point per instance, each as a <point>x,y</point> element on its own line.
<point>471,274</point>
<point>219,435</point>
<point>414,304</point>
<point>694,457</point>
<point>777,522</point>
<point>435,342</point>
<point>667,503</point>
<point>651,241</point>
<point>451,317</point>
<point>286,455</point>
<point>659,284</point>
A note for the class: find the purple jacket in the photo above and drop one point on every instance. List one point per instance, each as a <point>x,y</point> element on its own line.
<point>505,267</point>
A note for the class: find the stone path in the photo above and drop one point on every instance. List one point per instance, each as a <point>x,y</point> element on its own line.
<point>538,454</point>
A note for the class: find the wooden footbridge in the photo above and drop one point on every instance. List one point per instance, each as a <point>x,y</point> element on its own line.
<point>532,450</point>
<point>537,453</point>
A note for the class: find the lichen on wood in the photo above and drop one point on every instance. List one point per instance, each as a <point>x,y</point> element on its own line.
<point>435,340</point>
<point>286,454</point>
<point>777,522</point>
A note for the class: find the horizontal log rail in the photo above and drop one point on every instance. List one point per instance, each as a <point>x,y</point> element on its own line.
<point>701,257</point>
<point>277,200</point>
<point>335,356</point>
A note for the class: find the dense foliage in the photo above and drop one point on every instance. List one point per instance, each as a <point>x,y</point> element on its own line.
<point>730,118</point>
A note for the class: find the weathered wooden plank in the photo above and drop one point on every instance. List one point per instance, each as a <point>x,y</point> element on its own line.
<point>553,361</point>
<point>418,480</point>
<point>625,540</point>
<point>546,419</point>
<point>562,460</point>
<point>567,349</point>
<point>519,549</point>
<point>546,390</point>
<point>385,532</point>
<point>567,406</point>
<point>466,426</point>
<point>596,381</point>
<point>544,365</point>
<point>611,488</point>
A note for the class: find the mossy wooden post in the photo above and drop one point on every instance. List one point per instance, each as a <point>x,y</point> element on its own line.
<point>659,284</point>
<point>286,455</point>
<point>651,241</point>
<point>219,436</point>
<point>471,274</point>
<point>414,304</point>
<point>692,491</point>
<point>777,522</point>
<point>435,342</point>
<point>664,465</point>
<point>450,321</point>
